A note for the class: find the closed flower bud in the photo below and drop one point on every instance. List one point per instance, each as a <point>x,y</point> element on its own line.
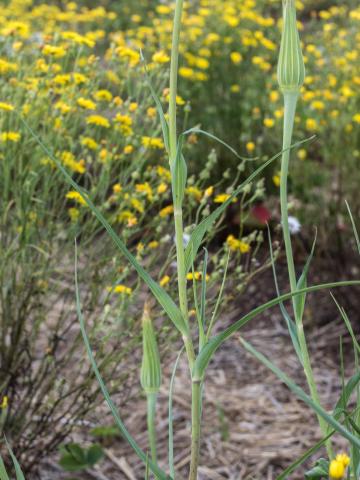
<point>291,68</point>
<point>150,377</point>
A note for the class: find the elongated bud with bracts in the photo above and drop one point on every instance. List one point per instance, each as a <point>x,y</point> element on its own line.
<point>150,368</point>
<point>291,68</point>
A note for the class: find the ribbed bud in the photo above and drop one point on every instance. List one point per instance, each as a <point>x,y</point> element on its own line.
<point>291,68</point>
<point>150,376</point>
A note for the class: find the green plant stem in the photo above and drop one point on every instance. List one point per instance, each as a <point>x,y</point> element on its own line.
<point>195,427</point>
<point>290,101</point>
<point>151,421</point>
<point>174,78</point>
<point>178,217</point>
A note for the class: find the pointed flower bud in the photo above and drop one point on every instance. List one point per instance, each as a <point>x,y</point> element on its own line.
<point>291,68</point>
<point>150,376</point>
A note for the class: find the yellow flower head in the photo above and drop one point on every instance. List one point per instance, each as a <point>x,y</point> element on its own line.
<point>336,469</point>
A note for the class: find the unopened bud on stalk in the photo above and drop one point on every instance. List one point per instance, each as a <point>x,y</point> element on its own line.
<point>150,376</point>
<point>291,68</point>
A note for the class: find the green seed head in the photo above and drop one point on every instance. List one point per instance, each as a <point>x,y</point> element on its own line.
<point>150,376</point>
<point>291,68</point>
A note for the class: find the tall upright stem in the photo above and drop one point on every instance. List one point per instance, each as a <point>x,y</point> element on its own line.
<point>290,101</point>
<point>195,428</point>
<point>179,230</point>
<point>151,412</point>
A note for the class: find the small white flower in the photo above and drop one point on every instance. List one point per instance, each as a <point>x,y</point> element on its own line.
<point>294,225</point>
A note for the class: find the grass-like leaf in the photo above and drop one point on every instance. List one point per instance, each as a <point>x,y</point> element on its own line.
<point>356,233</point>
<point>120,424</point>
<point>3,472</point>
<point>289,321</point>
<point>18,471</point>
<point>214,343</point>
<point>299,392</point>
<point>170,416</point>
<point>299,300</point>
<point>164,124</point>
<point>159,293</point>
<point>311,451</point>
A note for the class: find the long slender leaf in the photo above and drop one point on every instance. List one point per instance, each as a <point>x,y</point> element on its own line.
<point>299,300</point>
<point>356,234</point>
<point>289,321</point>
<point>171,425</point>
<point>164,124</point>
<point>299,392</point>
<point>18,471</point>
<point>291,468</point>
<point>120,424</point>
<point>3,472</point>
<point>214,343</point>
<point>217,139</point>
<point>159,293</point>
<point>201,229</point>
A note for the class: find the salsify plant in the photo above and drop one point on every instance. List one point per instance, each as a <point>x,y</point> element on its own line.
<point>200,342</point>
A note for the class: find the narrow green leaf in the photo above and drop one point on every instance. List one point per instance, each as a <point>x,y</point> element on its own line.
<point>356,234</point>
<point>291,468</point>
<point>214,343</point>
<point>299,392</point>
<point>154,468</point>
<point>289,321</point>
<point>217,305</point>
<point>345,395</point>
<point>302,282</point>
<point>159,293</point>
<point>178,175</point>
<point>171,424</point>
<point>18,471</point>
<point>203,289</point>
<point>3,472</point>
<point>217,139</point>
<point>164,124</point>
<point>201,229</point>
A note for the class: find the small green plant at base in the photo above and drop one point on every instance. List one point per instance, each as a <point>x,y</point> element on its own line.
<point>76,458</point>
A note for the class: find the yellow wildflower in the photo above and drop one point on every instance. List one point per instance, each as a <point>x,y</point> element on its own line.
<point>117,188</point>
<point>276,180</point>
<point>149,142</point>
<point>336,469</point>
<point>237,245</point>
<point>98,120</point>
<point>103,96</point>
<point>236,57</point>
<point>89,143</point>
<point>54,51</point>
<point>165,280</point>
<point>356,118</point>
<point>166,211</point>
<point>10,137</point>
<point>269,122</point>
<point>154,244</point>
<point>6,107</point>
<point>250,147</point>
<point>74,195</point>
<point>160,57</point>
<point>122,289</point>
<point>4,402</point>
<point>222,197</point>
<point>86,103</point>
<point>128,149</point>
